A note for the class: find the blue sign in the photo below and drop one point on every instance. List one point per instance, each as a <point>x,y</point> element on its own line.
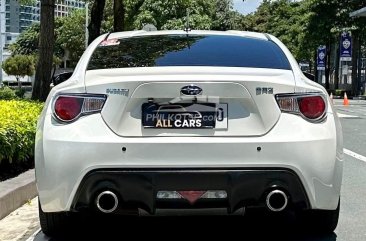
<point>346,47</point>
<point>321,58</point>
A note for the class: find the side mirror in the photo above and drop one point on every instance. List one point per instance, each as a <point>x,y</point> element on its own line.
<point>309,76</point>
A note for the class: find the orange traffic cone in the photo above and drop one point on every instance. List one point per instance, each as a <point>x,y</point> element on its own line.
<point>345,99</point>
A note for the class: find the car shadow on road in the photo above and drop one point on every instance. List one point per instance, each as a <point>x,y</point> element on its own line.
<point>257,227</point>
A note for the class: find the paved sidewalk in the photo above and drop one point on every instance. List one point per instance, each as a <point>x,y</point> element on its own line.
<point>21,223</point>
<point>17,191</point>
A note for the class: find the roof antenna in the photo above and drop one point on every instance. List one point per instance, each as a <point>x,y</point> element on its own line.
<point>187,28</point>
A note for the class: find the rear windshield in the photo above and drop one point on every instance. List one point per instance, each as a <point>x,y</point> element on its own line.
<point>188,50</point>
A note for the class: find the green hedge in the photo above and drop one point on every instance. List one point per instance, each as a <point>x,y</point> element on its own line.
<point>7,94</point>
<point>18,120</point>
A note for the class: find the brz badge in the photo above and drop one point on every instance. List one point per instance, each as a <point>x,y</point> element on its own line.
<point>191,90</point>
<point>264,91</point>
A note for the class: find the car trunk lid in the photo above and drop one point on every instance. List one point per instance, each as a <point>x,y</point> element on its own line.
<point>245,95</point>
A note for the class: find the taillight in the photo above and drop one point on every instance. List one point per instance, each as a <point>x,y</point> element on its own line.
<point>310,106</point>
<point>68,108</point>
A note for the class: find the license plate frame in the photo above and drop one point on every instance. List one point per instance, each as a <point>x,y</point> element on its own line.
<point>179,116</point>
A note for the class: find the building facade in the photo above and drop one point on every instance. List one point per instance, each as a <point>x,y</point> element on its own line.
<point>64,7</point>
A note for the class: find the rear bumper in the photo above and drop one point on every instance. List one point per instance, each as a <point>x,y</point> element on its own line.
<point>139,188</point>
<point>63,162</point>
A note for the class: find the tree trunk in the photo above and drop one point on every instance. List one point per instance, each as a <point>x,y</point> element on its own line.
<point>133,11</point>
<point>310,66</point>
<point>19,83</point>
<point>359,69</point>
<point>96,17</point>
<point>46,44</point>
<point>119,15</point>
<point>336,64</point>
<point>327,66</point>
<point>316,71</point>
<point>53,71</point>
<point>355,48</point>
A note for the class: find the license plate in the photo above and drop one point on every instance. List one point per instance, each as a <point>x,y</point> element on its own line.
<point>179,116</point>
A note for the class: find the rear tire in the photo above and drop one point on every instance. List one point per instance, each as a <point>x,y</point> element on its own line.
<point>53,224</point>
<point>319,221</point>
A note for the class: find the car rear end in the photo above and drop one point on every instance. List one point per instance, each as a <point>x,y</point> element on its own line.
<point>200,120</point>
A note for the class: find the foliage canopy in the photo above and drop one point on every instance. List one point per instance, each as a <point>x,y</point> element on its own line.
<point>19,66</point>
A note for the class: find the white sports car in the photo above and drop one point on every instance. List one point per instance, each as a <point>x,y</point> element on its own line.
<point>199,119</point>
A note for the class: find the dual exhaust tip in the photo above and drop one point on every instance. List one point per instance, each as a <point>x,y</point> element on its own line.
<point>107,201</point>
<point>276,201</point>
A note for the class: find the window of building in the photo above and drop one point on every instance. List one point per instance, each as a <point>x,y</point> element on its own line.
<point>8,38</point>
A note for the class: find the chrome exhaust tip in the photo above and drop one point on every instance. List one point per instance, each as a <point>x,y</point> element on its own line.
<point>107,202</point>
<point>276,201</point>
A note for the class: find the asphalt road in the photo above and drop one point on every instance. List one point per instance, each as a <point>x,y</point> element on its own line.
<point>352,222</point>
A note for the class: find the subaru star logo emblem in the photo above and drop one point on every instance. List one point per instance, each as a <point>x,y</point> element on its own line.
<point>191,90</point>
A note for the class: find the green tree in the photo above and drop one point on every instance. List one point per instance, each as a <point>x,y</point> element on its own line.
<point>319,29</point>
<point>70,32</point>
<point>19,66</point>
<point>327,19</point>
<point>165,14</point>
<point>27,42</point>
<point>223,16</point>
<point>70,36</point>
<point>258,21</point>
<point>305,25</point>
<point>96,18</point>
<point>284,19</point>
<point>118,15</point>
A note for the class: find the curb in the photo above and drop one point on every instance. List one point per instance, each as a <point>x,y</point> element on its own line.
<point>17,191</point>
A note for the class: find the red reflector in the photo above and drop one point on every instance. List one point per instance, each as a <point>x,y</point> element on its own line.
<point>312,107</point>
<point>192,196</point>
<point>68,108</point>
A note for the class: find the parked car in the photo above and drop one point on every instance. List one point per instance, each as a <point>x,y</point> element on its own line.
<point>310,76</point>
<point>204,119</point>
<point>60,78</point>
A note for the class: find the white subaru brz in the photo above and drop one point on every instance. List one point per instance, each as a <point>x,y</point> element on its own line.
<point>182,120</point>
